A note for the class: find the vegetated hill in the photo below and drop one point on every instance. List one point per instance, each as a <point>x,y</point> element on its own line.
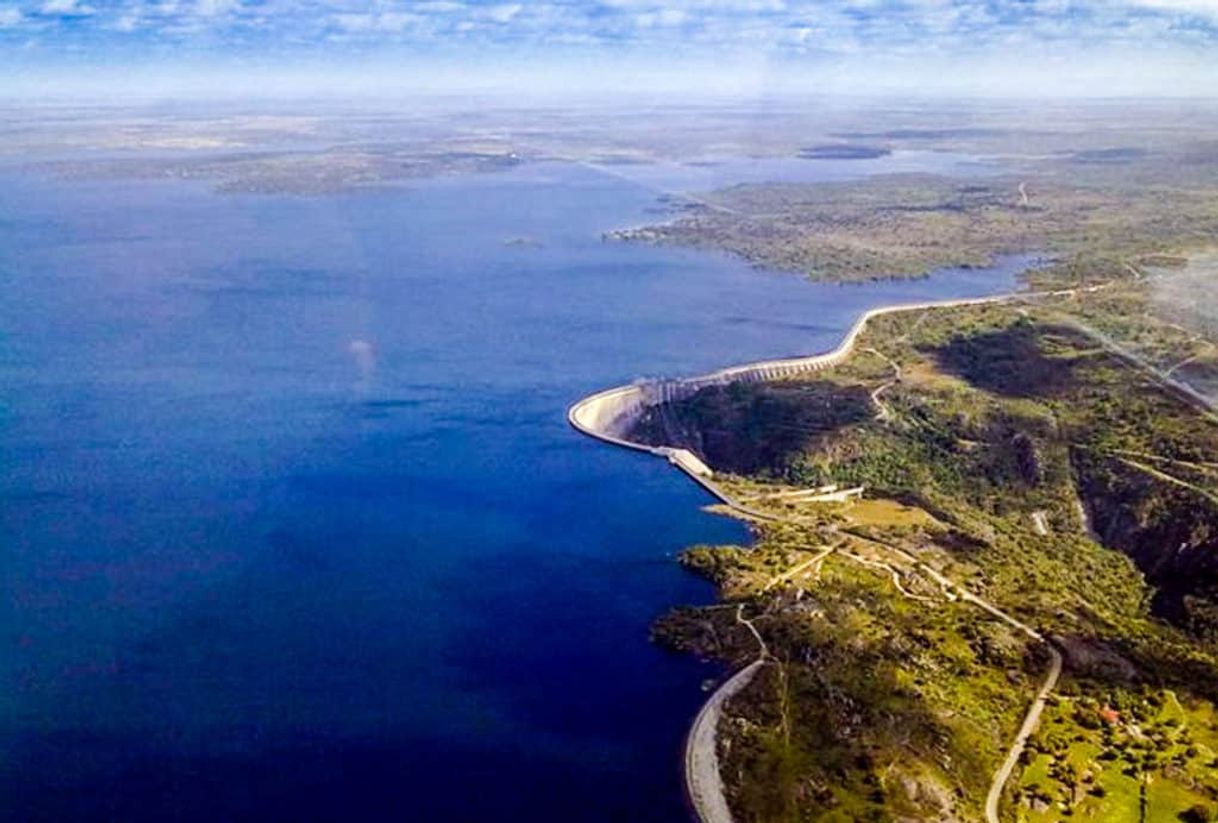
<point>1012,430</point>
<point>749,427</point>
<point>1038,416</point>
<point>1142,458</point>
<point>1170,530</point>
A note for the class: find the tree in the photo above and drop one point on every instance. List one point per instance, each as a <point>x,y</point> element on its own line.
<point>1199,813</point>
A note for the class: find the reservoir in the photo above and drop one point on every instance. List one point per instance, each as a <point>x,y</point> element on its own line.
<point>292,525</point>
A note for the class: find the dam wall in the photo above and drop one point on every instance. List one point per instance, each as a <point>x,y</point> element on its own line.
<point>609,415</point>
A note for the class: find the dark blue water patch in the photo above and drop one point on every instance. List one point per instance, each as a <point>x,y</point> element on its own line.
<point>294,526</point>
<point>319,779</point>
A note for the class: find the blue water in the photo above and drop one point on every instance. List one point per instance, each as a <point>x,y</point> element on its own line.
<point>712,173</point>
<point>291,523</point>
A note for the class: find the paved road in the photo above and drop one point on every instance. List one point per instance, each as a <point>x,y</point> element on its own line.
<point>713,812</point>
<point>787,575</point>
<point>703,777</point>
<point>1182,390</point>
<point>1032,718</point>
<point>883,412</point>
<point>1030,722</point>
<point>892,570</point>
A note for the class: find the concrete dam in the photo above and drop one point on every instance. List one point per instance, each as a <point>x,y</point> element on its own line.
<point>609,415</point>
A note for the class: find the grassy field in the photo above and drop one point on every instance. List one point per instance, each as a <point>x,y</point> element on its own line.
<point>1091,762</point>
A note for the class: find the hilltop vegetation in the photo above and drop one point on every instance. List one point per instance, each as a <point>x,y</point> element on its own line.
<point>748,427</point>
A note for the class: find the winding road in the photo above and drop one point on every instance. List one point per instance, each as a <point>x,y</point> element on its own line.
<point>703,776</point>
<point>703,779</point>
<point>883,412</point>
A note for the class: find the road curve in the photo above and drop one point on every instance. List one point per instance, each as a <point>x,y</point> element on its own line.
<point>703,780</point>
<point>1032,718</point>
<point>1030,722</point>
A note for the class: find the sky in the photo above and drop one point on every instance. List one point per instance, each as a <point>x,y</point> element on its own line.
<point>966,47</point>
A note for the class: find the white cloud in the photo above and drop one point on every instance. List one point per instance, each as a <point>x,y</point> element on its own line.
<point>660,18</point>
<point>504,13</point>
<point>396,21</point>
<point>384,22</point>
<point>1205,8</point>
<point>728,7</point>
<point>65,8</point>
<point>355,22</point>
<point>810,32</point>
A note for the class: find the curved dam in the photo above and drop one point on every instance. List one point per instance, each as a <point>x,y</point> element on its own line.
<point>609,415</point>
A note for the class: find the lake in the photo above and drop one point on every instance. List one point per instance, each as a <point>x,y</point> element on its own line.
<point>292,523</point>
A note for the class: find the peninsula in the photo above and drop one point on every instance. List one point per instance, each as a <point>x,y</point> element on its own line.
<point>984,577</point>
<point>899,652</point>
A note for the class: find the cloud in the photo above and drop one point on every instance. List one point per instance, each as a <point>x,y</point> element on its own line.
<point>504,13</point>
<point>371,23</point>
<point>65,8</point>
<point>1203,8</point>
<point>662,17</point>
<point>935,25</point>
<point>799,32</point>
<point>216,8</point>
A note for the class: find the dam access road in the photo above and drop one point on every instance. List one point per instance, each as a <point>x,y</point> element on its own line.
<point>609,415</point>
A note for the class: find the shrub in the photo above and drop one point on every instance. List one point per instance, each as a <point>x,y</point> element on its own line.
<point>1196,814</point>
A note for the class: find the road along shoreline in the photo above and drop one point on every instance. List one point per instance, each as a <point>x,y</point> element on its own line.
<point>609,415</point>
